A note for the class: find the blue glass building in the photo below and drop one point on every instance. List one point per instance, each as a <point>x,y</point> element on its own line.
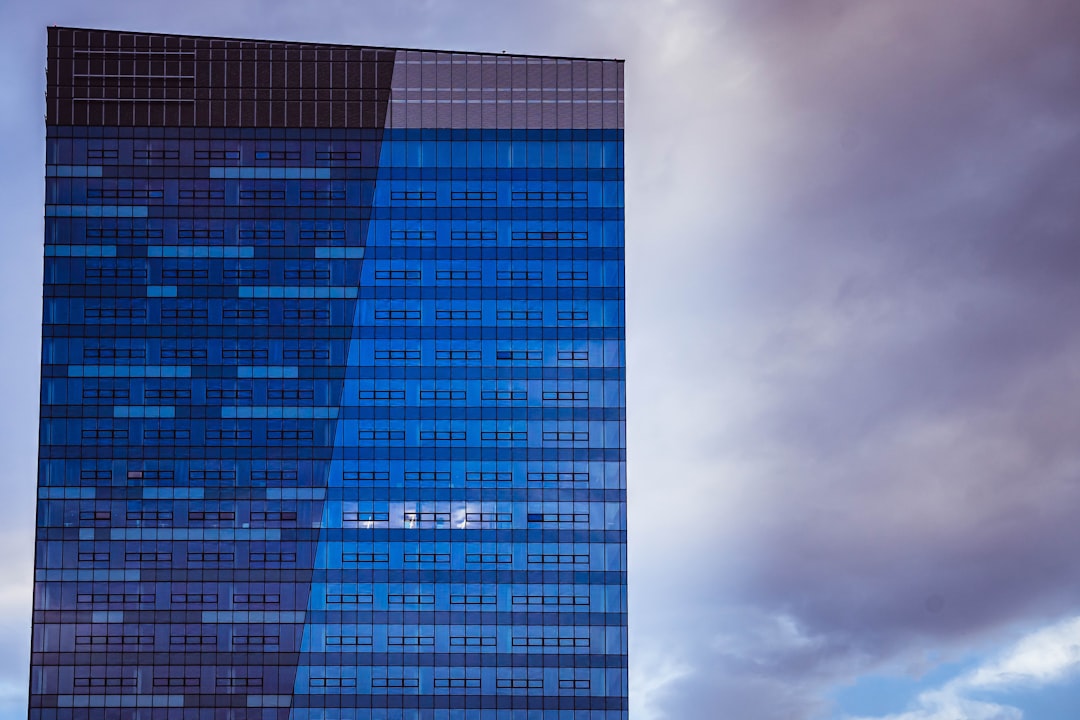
<point>333,387</point>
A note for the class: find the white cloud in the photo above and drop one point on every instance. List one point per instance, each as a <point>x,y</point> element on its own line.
<point>652,676</point>
<point>1045,656</point>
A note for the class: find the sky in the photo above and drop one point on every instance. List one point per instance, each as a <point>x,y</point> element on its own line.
<point>853,277</point>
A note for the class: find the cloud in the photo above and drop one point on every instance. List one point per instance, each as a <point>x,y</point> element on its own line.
<point>1046,656</point>
<point>853,388</point>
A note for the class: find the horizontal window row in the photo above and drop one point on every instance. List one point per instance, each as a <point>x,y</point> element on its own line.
<point>476,276</point>
<point>440,436</point>
<point>373,476</point>
<point>331,598</point>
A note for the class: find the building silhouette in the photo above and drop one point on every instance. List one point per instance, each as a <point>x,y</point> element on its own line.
<point>333,386</point>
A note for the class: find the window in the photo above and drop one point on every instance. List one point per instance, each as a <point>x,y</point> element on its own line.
<point>322,195</point>
<point>167,394</point>
<point>556,600</point>
<point>472,599</point>
<point>489,477</point>
<point>426,476</point>
<point>155,154</point>
<point>444,395</point>
<point>288,435</point>
<point>566,395</point>
<point>517,355</point>
<point>564,437</point>
<point>397,275</point>
<point>151,515</point>
<point>365,476</point>
<point>238,682</point>
<point>176,682</point>
<point>364,517</point>
<point>348,599</point>
<point>380,435</point>
<point>474,236</point>
<point>289,394</point>
<point>503,395</point>
<point>257,598</point>
<point>105,434</point>
<point>260,195</point>
<point>228,394</point>
<point>273,476</point>
<point>426,557</point>
<point>365,557</point>
<point>519,315</point>
<point>225,435</point>
<point>389,682</point>
<point>256,640</point>
<point>518,275</point>
<point>200,233</point>
<point>212,477</point>
<point>348,640</point>
<point>323,233</point>
<point>457,315</point>
<point>573,684</point>
<point>545,236</point>
<point>272,557</point>
<point>558,477</point>
<point>558,517</point>
<point>92,393</point>
<point>563,642</point>
<point>401,236</point>
<point>504,436</point>
<point>488,517</point>
<point>519,683</point>
<point>332,682</point>
<point>412,195</point>
<point>442,435</point>
<point>202,194</point>
<point>473,196</point>
<point>193,598</point>
<point>410,640</point>
<point>457,275</point>
<point>457,355</point>
<point>273,516</point>
<point>213,515</point>
<point>397,355</point>
<point>151,557</point>
<point>106,682</point>
<point>397,314</point>
<point>211,557</point>
<point>471,641</point>
<point>557,559</point>
<point>486,558</point>
<point>410,599</point>
<point>549,196</point>
<point>381,395</point>
<point>457,682</point>
<point>426,517</point>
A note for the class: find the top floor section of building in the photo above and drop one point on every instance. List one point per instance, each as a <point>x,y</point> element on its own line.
<point>128,79</point>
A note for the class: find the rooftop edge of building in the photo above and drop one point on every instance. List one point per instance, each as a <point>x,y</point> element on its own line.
<point>538,56</point>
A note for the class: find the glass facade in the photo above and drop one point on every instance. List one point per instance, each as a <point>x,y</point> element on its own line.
<point>333,385</point>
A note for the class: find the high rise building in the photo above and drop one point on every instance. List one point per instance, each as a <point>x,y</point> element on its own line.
<point>332,396</point>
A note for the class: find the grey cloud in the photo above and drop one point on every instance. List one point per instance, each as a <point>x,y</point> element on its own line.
<point>885,421</point>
